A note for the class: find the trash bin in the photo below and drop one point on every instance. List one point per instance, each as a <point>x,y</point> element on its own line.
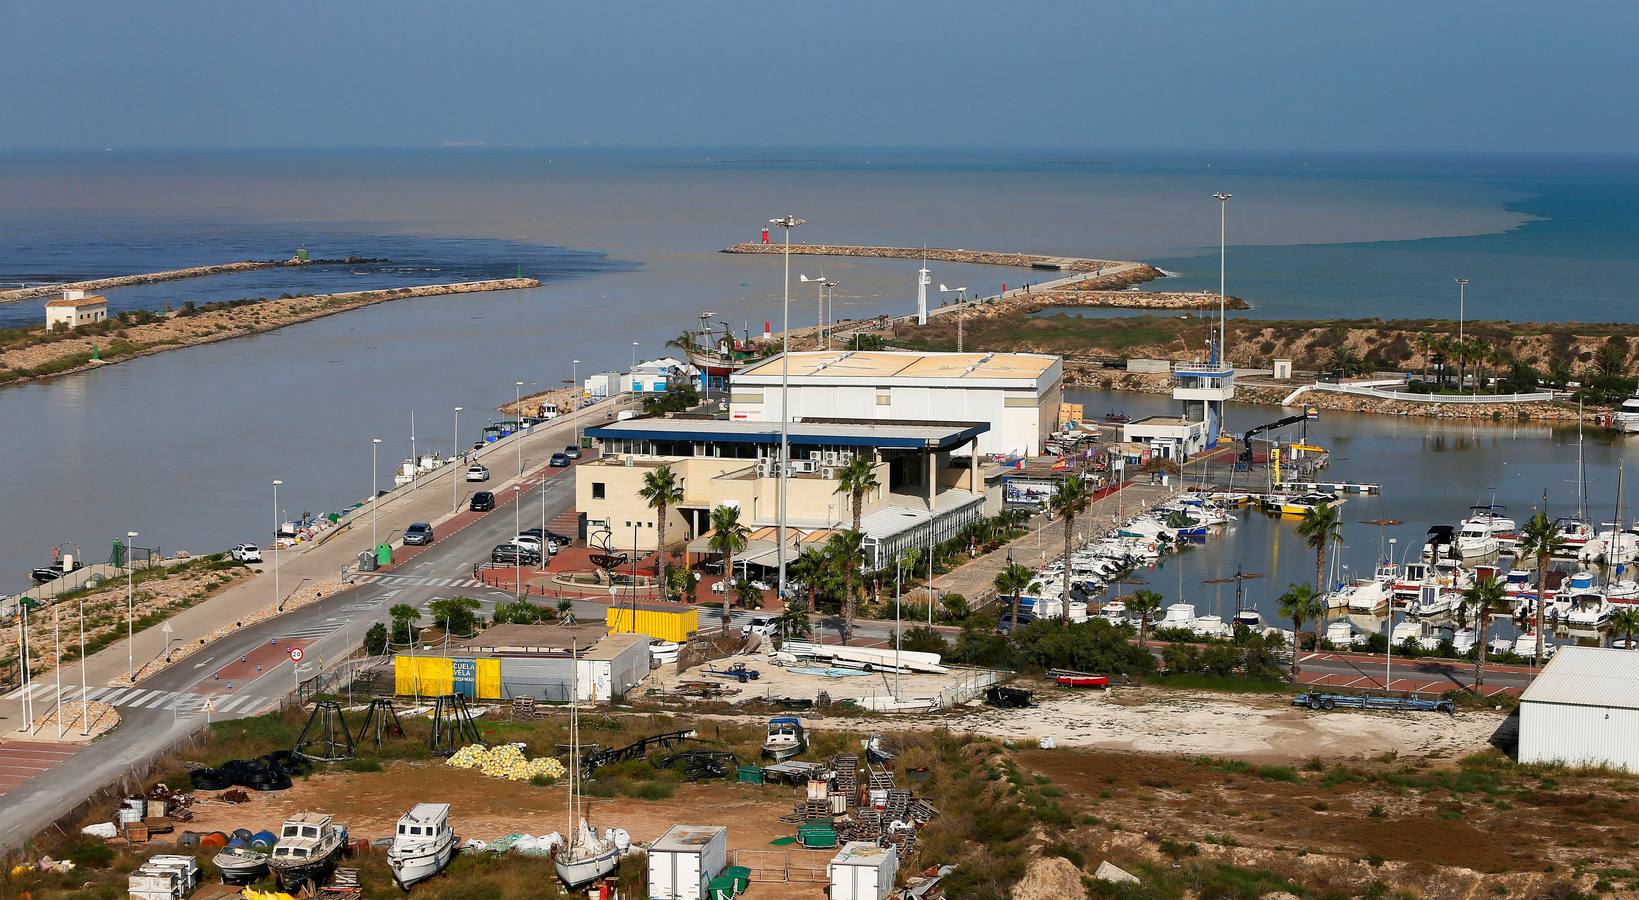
<point>384,554</point>
<point>367,561</point>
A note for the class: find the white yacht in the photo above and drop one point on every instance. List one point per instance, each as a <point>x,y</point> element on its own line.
<point>1626,419</point>
<point>1179,615</point>
<point>424,844</point>
<point>1475,539</point>
<point>1433,600</point>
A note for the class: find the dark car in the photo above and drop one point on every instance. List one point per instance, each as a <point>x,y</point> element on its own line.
<point>482,501</point>
<point>572,451</point>
<point>553,540</point>
<point>1006,625</point>
<point>514,555</point>
<point>558,461</point>
<point>418,534</point>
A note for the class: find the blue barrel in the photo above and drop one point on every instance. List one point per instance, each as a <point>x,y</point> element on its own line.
<point>262,840</point>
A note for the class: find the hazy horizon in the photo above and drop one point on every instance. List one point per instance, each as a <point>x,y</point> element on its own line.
<point>1509,77</point>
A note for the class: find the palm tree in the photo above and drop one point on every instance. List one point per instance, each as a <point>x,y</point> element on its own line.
<point>846,553</point>
<point>1481,349</point>
<point>809,568</point>
<point>728,537</point>
<point>1069,500</point>
<point>856,478</point>
<point>683,342</point>
<point>1624,622</point>
<point>1013,581</point>
<point>663,491</point>
<point>1144,604</point>
<point>1429,343</point>
<point>1541,539</point>
<point>1488,595</point>
<point>1297,604</point>
<point>1321,527</point>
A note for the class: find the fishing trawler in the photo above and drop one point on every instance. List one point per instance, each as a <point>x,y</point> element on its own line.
<point>786,738</point>
<point>310,845</point>
<point>423,845</point>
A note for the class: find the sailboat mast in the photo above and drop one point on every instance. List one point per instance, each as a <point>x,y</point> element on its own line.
<point>574,741</point>
<point>1581,471</point>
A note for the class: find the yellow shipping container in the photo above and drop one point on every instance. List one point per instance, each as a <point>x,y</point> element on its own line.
<point>427,675</point>
<point>488,683</point>
<point>660,624</point>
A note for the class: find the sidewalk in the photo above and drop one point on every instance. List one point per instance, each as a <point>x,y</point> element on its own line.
<point>321,563</point>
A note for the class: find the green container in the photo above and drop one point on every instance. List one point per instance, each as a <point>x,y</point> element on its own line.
<point>751,774</point>
<point>384,554</point>
<point>817,837</point>
<point>720,888</point>
<point>741,877</point>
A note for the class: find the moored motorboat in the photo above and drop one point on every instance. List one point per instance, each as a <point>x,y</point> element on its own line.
<point>424,844</point>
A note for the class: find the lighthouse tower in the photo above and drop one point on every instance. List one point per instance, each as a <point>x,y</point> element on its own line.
<point>924,277</point>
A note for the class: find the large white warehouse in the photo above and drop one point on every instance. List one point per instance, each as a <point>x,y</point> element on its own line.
<point>1017,393</point>
<point>1583,710</point>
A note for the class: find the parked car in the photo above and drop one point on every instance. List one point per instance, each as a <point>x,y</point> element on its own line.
<point>1006,625</point>
<point>483,501</point>
<point>572,451</point>
<point>246,553</point>
<point>418,534</point>
<point>476,472</point>
<point>558,461</point>
<point>763,625</point>
<point>514,555</point>
<point>530,541</point>
<point>554,542</point>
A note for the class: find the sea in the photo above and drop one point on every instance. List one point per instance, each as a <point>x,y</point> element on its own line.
<point>183,446</point>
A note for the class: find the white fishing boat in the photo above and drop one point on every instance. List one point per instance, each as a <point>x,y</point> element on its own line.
<point>1475,539</point>
<point>1526,645</point>
<point>310,845</point>
<point>240,865</point>
<point>1434,600</point>
<point>1113,611</point>
<point>1438,543</point>
<point>586,857</point>
<point>1588,611</point>
<point>1178,615</point>
<point>424,844</point>
<point>1626,419</point>
<point>1210,626</point>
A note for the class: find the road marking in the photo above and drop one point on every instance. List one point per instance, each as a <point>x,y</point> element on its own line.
<point>133,698</point>
<point>159,699</point>
<point>235,701</point>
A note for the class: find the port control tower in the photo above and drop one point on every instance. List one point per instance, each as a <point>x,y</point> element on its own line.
<point>1203,390</point>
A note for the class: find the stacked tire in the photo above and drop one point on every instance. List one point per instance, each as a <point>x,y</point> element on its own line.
<point>264,773</point>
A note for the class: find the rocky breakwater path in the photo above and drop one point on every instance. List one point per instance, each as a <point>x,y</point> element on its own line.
<point>74,351</point>
<point>97,284</point>
<point>938,254</point>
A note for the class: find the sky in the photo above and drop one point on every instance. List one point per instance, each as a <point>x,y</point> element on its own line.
<point>1503,76</point>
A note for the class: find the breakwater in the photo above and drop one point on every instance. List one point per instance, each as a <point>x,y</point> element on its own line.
<point>78,352</point>
<point>938,254</point>
<point>97,284</point>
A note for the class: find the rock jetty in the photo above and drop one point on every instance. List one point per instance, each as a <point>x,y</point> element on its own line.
<point>937,254</point>
<point>97,284</point>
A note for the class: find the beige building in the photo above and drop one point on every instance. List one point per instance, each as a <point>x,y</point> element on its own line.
<point>927,473</point>
<point>1018,394</point>
<point>75,308</point>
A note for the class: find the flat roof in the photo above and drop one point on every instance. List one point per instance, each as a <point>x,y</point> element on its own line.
<point>885,364</point>
<point>1163,420</point>
<point>1588,676</point>
<point>862,853</point>
<point>686,838</point>
<point>887,434</point>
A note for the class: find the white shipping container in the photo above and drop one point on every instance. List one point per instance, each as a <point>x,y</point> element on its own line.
<point>863,871</point>
<point>685,859</point>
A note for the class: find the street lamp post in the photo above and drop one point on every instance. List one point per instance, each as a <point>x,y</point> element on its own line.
<point>1462,287</point>
<point>375,482</point>
<point>517,555</point>
<point>455,479</point>
<point>517,410</point>
<point>1388,658</point>
<point>574,395</point>
<point>278,600</point>
<point>1223,234</point>
<point>786,222</point>
<point>130,614</point>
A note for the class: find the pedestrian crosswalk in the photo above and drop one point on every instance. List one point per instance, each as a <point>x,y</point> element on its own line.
<point>183,703</point>
<point>420,580</point>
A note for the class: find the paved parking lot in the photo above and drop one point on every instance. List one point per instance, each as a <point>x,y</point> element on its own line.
<point>22,760</point>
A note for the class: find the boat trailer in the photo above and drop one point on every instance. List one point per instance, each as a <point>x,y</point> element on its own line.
<point>1361,701</point>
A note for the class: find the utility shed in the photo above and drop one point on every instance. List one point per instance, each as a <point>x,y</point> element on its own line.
<point>1583,710</point>
<point>862,870</point>
<point>684,860</point>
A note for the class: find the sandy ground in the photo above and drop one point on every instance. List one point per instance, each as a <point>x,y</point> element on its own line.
<point>774,682</point>
<point>1250,726</point>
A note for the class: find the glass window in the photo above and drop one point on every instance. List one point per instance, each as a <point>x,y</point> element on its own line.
<point>310,831</point>
<point>597,490</point>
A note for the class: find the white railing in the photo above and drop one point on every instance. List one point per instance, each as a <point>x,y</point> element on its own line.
<point>1373,389</point>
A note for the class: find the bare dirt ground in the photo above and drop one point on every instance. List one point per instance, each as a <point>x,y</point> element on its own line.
<point>1246,726</point>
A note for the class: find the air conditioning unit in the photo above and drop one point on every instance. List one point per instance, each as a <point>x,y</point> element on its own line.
<point>831,458</point>
<point>829,473</point>
<point>804,465</point>
<point>814,455</point>
<point>628,459</point>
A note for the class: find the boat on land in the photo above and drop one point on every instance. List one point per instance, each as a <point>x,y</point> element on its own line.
<point>1081,681</point>
<point>786,738</point>
<point>586,857</point>
<point>310,845</point>
<point>423,846</point>
<point>241,864</point>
